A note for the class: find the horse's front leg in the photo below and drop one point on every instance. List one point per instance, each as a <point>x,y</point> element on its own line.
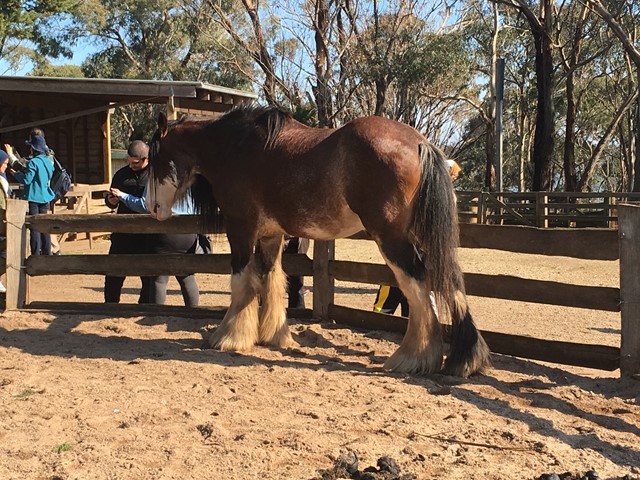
<point>238,330</point>
<point>273,328</point>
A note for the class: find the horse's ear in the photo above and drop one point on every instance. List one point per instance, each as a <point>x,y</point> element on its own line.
<point>162,124</point>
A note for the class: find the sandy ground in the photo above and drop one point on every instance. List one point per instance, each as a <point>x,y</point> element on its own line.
<point>96,397</point>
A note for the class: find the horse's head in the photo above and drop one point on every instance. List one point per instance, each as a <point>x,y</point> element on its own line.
<point>171,174</point>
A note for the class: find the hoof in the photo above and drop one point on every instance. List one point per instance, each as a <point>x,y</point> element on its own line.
<point>476,362</point>
<point>280,339</point>
<point>423,364</point>
<point>225,342</point>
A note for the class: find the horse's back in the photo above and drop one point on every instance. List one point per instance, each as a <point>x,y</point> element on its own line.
<point>335,182</point>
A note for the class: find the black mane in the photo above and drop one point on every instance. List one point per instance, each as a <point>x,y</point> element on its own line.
<point>268,120</point>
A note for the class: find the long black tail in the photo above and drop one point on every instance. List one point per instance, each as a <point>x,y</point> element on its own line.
<point>436,238</point>
<point>435,222</point>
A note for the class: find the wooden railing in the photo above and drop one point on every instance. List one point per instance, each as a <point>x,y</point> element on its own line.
<point>588,243</point>
<point>543,209</point>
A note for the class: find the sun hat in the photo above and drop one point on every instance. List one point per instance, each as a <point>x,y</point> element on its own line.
<point>38,144</point>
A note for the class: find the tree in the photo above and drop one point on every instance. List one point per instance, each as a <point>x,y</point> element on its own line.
<point>541,25</point>
<point>152,39</point>
<point>28,29</point>
<point>613,18</point>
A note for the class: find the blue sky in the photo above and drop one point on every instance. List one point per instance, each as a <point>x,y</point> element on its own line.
<point>81,51</point>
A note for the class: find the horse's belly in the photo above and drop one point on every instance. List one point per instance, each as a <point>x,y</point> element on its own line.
<point>340,225</point>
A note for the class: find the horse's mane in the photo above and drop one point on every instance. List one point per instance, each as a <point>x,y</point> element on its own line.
<point>267,121</point>
<point>245,119</point>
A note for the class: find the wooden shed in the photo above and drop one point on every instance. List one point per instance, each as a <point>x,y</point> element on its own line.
<point>75,113</point>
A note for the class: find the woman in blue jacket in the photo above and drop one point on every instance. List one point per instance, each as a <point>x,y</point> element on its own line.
<point>37,192</point>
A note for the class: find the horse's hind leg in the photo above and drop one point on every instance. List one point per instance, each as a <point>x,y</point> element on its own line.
<point>273,329</point>
<point>238,330</point>
<point>469,353</point>
<point>421,350</point>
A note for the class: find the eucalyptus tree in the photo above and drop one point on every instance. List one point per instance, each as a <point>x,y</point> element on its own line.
<point>622,18</point>
<point>151,39</point>
<point>30,29</point>
<point>154,39</point>
<point>541,24</point>
<point>493,32</point>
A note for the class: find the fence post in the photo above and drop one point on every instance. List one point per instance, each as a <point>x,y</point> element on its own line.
<point>542,210</point>
<point>629,242</point>
<point>482,208</point>
<point>323,282</point>
<point>16,254</point>
<point>610,206</point>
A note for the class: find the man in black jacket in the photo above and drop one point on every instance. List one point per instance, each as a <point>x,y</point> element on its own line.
<point>131,179</point>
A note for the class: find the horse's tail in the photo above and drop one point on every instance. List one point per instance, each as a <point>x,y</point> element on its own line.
<point>436,238</point>
<point>435,221</point>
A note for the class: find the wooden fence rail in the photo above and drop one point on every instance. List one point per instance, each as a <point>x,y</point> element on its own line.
<point>582,243</point>
<point>543,209</point>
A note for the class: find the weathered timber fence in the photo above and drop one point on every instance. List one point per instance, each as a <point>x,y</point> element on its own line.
<point>601,244</point>
<point>543,209</point>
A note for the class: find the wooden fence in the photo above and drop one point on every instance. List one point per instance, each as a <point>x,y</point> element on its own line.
<point>589,243</point>
<point>543,209</point>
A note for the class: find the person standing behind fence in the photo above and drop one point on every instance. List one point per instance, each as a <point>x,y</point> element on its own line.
<point>36,179</point>
<point>20,164</point>
<point>167,243</point>
<point>295,284</point>
<point>131,179</point>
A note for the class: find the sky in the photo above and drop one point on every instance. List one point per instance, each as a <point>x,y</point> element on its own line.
<point>81,51</point>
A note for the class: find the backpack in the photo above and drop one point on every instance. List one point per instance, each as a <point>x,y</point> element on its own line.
<point>60,180</point>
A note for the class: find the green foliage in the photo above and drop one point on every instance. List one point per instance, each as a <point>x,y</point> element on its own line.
<point>63,447</point>
<point>154,39</point>
<point>46,69</point>
<point>35,27</point>
<point>28,392</point>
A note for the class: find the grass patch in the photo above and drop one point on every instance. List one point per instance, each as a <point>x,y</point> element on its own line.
<point>28,392</point>
<point>63,447</point>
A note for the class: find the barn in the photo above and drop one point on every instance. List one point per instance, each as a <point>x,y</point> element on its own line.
<point>75,113</point>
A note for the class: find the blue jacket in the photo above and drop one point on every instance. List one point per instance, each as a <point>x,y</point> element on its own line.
<point>36,179</point>
<point>139,204</point>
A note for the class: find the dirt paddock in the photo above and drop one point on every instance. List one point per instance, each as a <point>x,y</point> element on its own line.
<point>97,397</point>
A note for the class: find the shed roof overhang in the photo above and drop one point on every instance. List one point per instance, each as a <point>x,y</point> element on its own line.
<point>111,93</point>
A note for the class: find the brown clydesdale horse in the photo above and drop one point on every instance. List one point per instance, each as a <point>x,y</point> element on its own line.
<point>271,176</point>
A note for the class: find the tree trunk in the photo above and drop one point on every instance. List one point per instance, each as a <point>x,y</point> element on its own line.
<point>490,136</point>
<point>321,89</point>
<point>569,160</point>
<point>570,179</point>
<point>381,94</point>
<point>544,133</point>
<point>636,136</point>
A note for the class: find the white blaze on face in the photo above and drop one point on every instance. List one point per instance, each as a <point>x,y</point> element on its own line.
<point>160,197</point>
